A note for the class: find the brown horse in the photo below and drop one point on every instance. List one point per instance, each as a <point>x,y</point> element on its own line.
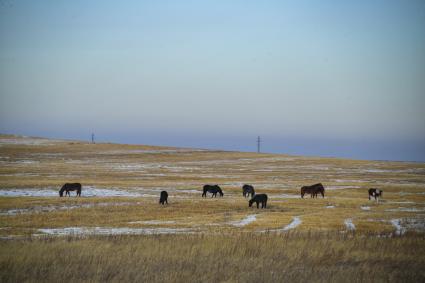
<point>70,187</point>
<point>313,190</point>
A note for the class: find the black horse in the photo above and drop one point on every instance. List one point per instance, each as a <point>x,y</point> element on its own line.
<point>259,198</point>
<point>247,190</point>
<point>376,193</point>
<point>163,198</point>
<point>214,189</point>
<point>70,187</point>
<point>313,190</point>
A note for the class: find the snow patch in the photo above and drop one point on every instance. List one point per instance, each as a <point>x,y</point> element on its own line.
<point>365,207</point>
<point>349,224</point>
<point>87,191</point>
<point>399,230</point>
<point>152,222</point>
<point>112,231</point>
<point>245,221</point>
<point>406,209</point>
<point>295,222</point>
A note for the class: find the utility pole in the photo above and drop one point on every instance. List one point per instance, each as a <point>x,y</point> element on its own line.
<point>258,144</point>
<point>92,138</point>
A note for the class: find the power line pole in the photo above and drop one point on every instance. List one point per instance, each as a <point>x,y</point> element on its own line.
<point>258,144</point>
<point>92,138</point>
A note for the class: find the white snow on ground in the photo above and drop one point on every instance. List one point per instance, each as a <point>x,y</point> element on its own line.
<point>28,141</point>
<point>350,181</point>
<point>40,209</point>
<point>112,231</point>
<point>330,206</point>
<point>245,221</point>
<point>416,224</point>
<point>341,187</point>
<point>406,209</point>
<point>29,193</point>
<point>86,192</point>
<point>287,196</point>
<point>365,207</point>
<point>152,222</point>
<point>295,222</point>
<point>399,230</point>
<point>349,224</point>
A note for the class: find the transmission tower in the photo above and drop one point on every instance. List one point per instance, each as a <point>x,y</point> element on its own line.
<point>92,138</point>
<point>258,144</point>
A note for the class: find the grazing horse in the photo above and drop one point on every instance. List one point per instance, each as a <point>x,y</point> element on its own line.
<point>259,198</point>
<point>376,193</point>
<point>70,187</point>
<point>163,198</point>
<point>248,189</point>
<point>214,189</point>
<point>313,190</point>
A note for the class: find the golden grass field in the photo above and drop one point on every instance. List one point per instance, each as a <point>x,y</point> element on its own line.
<point>46,238</point>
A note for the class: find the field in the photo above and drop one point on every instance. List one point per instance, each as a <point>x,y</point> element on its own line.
<point>118,231</point>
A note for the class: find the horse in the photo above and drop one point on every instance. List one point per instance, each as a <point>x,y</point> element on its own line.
<point>163,198</point>
<point>248,189</point>
<point>257,199</point>
<point>70,187</point>
<point>376,193</point>
<point>214,189</point>
<point>313,190</point>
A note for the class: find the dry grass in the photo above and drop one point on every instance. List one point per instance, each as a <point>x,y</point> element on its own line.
<point>236,257</point>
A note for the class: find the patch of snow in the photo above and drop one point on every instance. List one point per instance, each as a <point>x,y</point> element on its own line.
<point>40,209</point>
<point>365,207</point>
<point>87,191</point>
<point>349,224</point>
<point>341,187</point>
<point>152,222</point>
<point>112,231</point>
<point>350,181</point>
<point>28,141</point>
<point>295,222</point>
<point>287,196</point>
<point>330,206</point>
<point>245,221</point>
<point>399,230</point>
<point>406,209</point>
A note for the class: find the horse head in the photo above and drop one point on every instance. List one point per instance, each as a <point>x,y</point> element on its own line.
<point>61,191</point>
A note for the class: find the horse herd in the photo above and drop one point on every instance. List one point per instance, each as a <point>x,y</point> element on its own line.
<point>247,190</point>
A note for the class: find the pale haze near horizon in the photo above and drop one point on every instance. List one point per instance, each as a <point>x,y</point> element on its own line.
<point>326,78</point>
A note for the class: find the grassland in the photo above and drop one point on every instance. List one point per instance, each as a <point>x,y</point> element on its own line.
<point>121,185</point>
<point>238,257</point>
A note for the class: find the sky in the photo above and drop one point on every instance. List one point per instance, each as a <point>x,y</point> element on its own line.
<point>322,78</point>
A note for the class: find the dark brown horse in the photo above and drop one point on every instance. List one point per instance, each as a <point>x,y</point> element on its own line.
<point>313,190</point>
<point>70,187</point>
<point>247,190</point>
<point>214,189</point>
<point>163,198</point>
<point>257,199</point>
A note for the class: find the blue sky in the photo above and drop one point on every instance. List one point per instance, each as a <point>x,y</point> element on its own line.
<point>327,78</point>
